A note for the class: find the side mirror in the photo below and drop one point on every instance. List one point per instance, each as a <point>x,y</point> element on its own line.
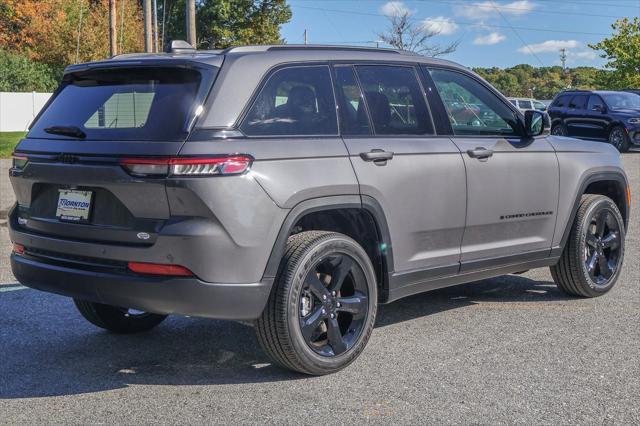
<point>536,123</point>
<point>599,108</point>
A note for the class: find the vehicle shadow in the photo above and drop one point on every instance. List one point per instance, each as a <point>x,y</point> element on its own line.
<point>49,350</point>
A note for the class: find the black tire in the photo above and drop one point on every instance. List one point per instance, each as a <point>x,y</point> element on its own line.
<point>118,320</point>
<point>558,130</point>
<point>587,267</point>
<point>279,329</point>
<point>619,138</point>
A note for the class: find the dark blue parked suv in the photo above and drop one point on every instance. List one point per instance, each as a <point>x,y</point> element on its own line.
<point>598,115</point>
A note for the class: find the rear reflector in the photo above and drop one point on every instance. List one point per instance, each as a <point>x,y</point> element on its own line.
<point>159,269</point>
<point>18,248</point>
<point>211,166</point>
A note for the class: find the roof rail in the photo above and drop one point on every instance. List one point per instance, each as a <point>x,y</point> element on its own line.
<point>266,48</point>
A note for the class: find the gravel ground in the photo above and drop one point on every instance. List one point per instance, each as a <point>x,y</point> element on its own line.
<point>501,351</point>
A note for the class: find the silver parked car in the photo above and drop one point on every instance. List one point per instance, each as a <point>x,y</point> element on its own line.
<point>300,187</point>
<point>524,104</point>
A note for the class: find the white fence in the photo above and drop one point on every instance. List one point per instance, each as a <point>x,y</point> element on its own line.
<point>17,110</point>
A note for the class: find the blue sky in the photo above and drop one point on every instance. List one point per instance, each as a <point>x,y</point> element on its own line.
<point>499,33</point>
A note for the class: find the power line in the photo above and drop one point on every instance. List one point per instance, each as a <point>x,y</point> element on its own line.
<point>525,45</point>
<point>475,24</point>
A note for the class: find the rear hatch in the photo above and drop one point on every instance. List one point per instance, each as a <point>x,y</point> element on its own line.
<point>70,175</point>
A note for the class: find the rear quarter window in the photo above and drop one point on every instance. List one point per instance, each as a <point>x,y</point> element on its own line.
<point>144,104</point>
<point>295,101</point>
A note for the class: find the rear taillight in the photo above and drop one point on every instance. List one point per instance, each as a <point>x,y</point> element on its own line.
<point>18,248</point>
<point>159,269</point>
<point>195,166</point>
<point>19,161</point>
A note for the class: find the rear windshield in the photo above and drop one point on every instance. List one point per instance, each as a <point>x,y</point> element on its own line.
<point>148,104</point>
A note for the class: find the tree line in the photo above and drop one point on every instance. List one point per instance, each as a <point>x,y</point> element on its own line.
<point>38,39</point>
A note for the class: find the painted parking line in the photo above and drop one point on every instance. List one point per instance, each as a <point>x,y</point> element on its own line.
<point>11,287</point>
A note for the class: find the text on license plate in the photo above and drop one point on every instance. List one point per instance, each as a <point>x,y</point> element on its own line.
<point>73,205</point>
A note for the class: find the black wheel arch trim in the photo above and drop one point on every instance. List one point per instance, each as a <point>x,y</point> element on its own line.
<point>586,181</point>
<point>313,205</point>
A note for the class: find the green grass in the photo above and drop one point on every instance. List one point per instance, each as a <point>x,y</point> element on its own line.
<point>8,141</point>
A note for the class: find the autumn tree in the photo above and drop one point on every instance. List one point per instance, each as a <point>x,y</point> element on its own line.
<point>622,50</point>
<point>224,23</point>
<point>63,32</point>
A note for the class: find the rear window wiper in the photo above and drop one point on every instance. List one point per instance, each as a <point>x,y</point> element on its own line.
<point>72,131</point>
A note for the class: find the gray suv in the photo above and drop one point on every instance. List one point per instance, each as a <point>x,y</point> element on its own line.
<point>299,187</point>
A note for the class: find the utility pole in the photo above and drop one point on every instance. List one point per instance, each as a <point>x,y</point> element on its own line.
<point>148,31</point>
<point>191,22</point>
<point>305,36</point>
<point>155,23</point>
<point>563,59</point>
<point>113,35</point>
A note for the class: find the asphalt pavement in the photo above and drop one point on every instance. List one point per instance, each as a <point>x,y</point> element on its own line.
<point>501,351</point>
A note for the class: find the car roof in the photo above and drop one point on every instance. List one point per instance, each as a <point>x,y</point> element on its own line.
<point>274,53</point>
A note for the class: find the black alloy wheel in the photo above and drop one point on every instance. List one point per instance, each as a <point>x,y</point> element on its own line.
<point>619,139</point>
<point>333,305</point>
<point>592,258</point>
<point>322,306</point>
<point>602,248</point>
<point>558,130</point>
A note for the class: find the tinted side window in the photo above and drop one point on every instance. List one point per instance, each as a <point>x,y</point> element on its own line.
<point>593,101</point>
<point>514,102</point>
<point>353,113</point>
<point>294,101</point>
<point>578,102</point>
<point>562,101</point>
<point>395,100</point>
<point>472,108</point>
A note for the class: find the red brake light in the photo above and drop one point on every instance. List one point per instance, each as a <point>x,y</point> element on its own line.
<point>18,248</point>
<point>159,269</point>
<point>186,166</point>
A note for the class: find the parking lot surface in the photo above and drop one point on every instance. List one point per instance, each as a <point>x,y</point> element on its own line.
<point>506,350</point>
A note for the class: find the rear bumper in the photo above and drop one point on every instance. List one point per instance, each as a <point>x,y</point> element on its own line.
<point>162,295</point>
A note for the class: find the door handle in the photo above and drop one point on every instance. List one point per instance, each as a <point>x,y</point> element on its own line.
<point>378,156</point>
<point>480,153</point>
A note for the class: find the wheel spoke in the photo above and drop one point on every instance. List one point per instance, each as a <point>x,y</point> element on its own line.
<point>611,241</point>
<point>591,264</point>
<point>605,270</point>
<point>311,322</point>
<point>356,304</point>
<point>601,221</point>
<point>334,335</point>
<point>592,240</point>
<point>340,273</point>
<point>316,286</point>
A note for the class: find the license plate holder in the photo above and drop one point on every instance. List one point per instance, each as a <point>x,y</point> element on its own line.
<point>74,205</point>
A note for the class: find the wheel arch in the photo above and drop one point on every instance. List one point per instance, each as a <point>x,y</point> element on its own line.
<point>611,184</point>
<point>361,218</point>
